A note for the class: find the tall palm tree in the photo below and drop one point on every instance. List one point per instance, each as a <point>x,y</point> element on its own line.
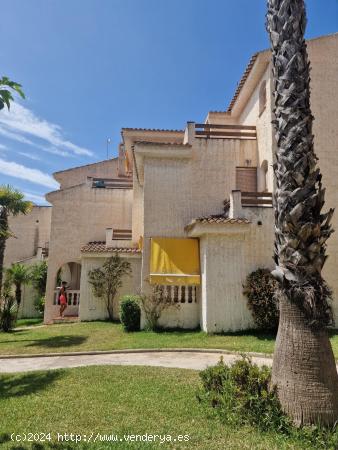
<point>304,369</point>
<point>11,203</point>
<point>18,274</point>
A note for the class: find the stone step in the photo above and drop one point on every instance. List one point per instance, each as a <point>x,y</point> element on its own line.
<point>66,319</point>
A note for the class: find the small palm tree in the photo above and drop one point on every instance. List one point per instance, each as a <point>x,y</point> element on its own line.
<point>11,203</point>
<point>19,275</point>
<point>8,308</point>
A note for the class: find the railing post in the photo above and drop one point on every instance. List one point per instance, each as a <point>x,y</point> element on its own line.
<point>189,133</point>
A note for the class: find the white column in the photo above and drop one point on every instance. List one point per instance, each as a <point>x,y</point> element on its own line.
<point>109,236</point>
<point>189,134</point>
<point>235,211</point>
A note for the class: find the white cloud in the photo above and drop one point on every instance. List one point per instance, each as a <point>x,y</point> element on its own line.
<point>20,122</point>
<point>30,156</point>
<point>23,140</point>
<point>13,169</point>
<point>3,147</point>
<point>35,198</point>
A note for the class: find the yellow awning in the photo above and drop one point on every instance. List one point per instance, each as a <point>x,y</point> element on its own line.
<point>174,261</point>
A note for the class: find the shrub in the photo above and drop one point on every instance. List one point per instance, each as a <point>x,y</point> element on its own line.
<point>40,304</point>
<point>130,313</point>
<point>260,289</point>
<point>154,304</point>
<point>38,275</point>
<point>241,394</point>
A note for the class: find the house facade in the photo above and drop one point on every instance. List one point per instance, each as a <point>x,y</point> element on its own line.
<point>191,209</point>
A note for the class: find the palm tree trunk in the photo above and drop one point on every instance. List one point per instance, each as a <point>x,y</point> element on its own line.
<point>3,236</point>
<point>18,294</point>
<point>304,369</point>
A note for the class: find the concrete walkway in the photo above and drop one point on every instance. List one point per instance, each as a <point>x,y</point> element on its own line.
<point>188,359</point>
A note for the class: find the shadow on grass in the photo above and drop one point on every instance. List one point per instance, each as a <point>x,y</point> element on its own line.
<point>51,342</point>
<point>19,385</point>
<point>6,438</point>
<point>58,341</point>
<point>264,335</point>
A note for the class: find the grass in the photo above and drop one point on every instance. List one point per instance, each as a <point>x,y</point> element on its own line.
<point>29,322</point>
<point>120,400</point>
<point>110,336</point>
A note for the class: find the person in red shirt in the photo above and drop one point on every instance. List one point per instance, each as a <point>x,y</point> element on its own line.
<point>63,298</point>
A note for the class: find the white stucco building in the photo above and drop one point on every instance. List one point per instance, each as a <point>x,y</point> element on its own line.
<point>207,187</point>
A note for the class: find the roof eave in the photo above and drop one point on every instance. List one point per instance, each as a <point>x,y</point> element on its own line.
<point>251,77</point>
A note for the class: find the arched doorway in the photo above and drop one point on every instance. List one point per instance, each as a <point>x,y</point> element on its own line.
<point>69,273</point>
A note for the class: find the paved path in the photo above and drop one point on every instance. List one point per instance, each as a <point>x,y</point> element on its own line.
<point>182,359</point>
<point>197,360</point>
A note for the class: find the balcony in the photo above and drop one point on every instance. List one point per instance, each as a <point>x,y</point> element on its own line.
<point>215,131</point>
<point>119,238</point>
<point>111,183</point>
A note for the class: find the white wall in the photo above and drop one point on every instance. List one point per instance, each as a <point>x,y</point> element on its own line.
<point>92,308</point>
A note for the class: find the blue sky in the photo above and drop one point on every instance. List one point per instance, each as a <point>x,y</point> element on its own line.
<point>90,67</point>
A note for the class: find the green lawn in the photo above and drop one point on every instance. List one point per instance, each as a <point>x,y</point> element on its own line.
<point>29,322</point>
<point>120,401</point>
<point>108,336</point>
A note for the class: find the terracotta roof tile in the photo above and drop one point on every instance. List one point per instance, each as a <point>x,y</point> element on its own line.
<point>152,129</point>
<point>100,247</point>
<point>177,144</point>
<point>243,80</point>
<point>85,165</point>
<point>221,219</point>
<point>217,219</point>
<point>219,112</point>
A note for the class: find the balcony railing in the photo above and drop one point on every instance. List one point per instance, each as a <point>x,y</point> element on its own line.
<point>180,294</point>
<point>216,131</point>
<point>73,297</point>
<point>122,234</point>
<point>112,183</point>
<point>263,199</point>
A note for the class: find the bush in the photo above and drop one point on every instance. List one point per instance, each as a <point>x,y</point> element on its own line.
<point>260,289</point>
<point>154,304</point>
<point>40,304</point>
<point>130,313</point>
<point>242,396</point>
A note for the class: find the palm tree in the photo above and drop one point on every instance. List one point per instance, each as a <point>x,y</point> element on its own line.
<point>18,274</point>
<point>304,370</point>
<point>11,203</point>
<point>7,87</point>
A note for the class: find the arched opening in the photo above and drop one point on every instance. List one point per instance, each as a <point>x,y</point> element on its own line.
<point>262,97</point>
<point>70,275</point>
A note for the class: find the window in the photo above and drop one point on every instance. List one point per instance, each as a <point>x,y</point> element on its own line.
<point>262,97</point>
<point>246,179</point>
